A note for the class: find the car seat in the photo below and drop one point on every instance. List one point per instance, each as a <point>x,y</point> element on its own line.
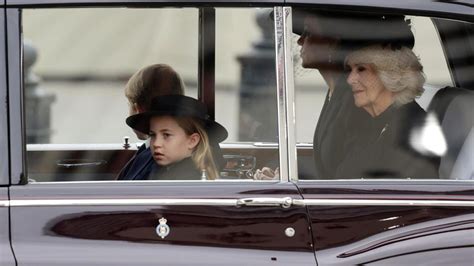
<point>455,110</point>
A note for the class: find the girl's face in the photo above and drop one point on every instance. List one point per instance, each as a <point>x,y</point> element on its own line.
<point>368,90</point>
<point>169,143</point>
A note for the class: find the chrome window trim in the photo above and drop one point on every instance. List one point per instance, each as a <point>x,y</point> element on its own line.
<point>285,92</point>
<point>79,147</point>
<point>290,95</point>
<point>158,182</point>
<point>252,181</point>
<point>135,146</point>
<point>230,202</point>
<point>280,86</point>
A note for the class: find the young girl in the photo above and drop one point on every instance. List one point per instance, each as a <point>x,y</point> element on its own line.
<point>180,131</point>
<point>147,83</point>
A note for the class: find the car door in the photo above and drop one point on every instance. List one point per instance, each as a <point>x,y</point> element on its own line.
<point>231,221</point>
<point>397,221</point>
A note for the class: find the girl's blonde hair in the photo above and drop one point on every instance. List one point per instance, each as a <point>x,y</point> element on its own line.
<point>202,154</point>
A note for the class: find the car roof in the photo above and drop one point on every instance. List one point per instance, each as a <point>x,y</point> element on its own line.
<point>455,9</point>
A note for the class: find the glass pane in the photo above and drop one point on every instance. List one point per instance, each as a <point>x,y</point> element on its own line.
<point>246,99</point>
<point>77,69</point>
<point>79,91</point>
<point>365,86</point>
<point>245,66</point>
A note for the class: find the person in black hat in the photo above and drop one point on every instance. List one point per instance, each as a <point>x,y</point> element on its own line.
<point>326,38</point>
<point>180,131</point>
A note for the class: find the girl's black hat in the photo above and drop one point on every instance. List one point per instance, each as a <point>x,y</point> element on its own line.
<point>181,106</point>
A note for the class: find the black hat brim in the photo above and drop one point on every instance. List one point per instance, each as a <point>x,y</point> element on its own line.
<point>298,16</point>
<point>358,29</point>
<point>141,123</point>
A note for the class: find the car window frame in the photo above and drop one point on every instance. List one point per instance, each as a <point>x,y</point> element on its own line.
<point>287,152</point>
<point>460,79</point>
<point>4,134</point>
<point>4,137</point>
<point>17,142</point>
<point>206,93</point>
<point>443,9</point>
<point>434,13</point>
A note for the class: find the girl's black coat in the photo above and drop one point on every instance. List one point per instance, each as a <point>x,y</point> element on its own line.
<point>182,170</point>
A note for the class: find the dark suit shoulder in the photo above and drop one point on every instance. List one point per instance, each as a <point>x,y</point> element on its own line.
<point>140,165</point>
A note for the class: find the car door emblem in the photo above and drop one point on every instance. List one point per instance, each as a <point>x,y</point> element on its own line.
<point>162,230</point>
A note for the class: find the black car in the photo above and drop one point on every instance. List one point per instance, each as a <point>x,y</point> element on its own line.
<point>63,139</point>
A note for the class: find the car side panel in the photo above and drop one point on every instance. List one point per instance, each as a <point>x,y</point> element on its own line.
<point>6,255</point>
<point>126,234</point>
<point>395,235</point>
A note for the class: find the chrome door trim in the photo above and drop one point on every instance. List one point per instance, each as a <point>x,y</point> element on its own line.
<point>378,202</point>
<point>284,202</point>
<point>122,202</point>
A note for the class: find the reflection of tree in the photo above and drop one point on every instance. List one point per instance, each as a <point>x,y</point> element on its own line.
<point>258,97</point>
<point>38,100</point>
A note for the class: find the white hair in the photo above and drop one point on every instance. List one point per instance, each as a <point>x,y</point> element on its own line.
<point>399,70</point>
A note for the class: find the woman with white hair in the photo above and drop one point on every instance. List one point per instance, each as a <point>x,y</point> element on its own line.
<point>385,80</point>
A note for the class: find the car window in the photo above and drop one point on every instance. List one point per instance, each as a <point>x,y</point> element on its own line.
<point>76,72</point>
<point>351,73</point>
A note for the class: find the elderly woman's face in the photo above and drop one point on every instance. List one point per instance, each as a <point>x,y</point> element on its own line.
<point>315,50</point>
<point>368,90</point>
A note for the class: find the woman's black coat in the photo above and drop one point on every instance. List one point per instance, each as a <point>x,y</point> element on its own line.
<point>332,129</point>
<point>382,146</point>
